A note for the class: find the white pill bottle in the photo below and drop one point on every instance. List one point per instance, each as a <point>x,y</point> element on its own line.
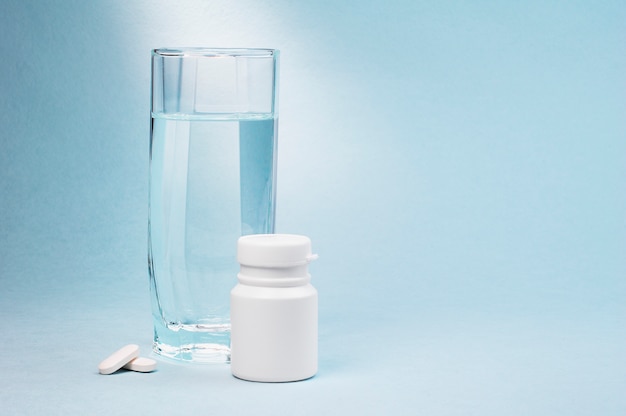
<point>273,310</point>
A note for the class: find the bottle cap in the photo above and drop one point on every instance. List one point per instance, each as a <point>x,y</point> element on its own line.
<point>274,250</point>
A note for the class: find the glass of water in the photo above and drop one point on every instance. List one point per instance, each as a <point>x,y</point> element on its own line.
<point>212,179</point>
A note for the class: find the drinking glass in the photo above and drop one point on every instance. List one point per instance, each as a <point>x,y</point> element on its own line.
<point>212,179</point>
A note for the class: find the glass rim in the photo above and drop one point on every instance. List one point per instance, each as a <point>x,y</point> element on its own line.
<point>199,51</point>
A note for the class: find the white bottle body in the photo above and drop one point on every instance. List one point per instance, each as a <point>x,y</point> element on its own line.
<point>274,332</point>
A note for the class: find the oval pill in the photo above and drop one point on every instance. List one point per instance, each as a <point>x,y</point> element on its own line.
<point>118,359</point>
<point>142,365</point>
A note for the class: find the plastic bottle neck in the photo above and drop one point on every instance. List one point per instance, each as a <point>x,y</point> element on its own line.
<point>274,276</point>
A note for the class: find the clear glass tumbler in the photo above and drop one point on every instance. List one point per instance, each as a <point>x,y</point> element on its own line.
<point>212,180</point>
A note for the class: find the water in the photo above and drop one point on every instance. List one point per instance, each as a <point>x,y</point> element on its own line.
<point>211,181</point>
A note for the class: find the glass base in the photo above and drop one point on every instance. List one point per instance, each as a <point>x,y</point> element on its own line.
<point>193,344</point>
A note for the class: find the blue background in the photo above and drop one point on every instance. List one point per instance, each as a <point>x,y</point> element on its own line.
<point>459,167</point>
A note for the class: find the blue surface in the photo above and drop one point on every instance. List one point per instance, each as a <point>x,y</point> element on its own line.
<point>459,167</point>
